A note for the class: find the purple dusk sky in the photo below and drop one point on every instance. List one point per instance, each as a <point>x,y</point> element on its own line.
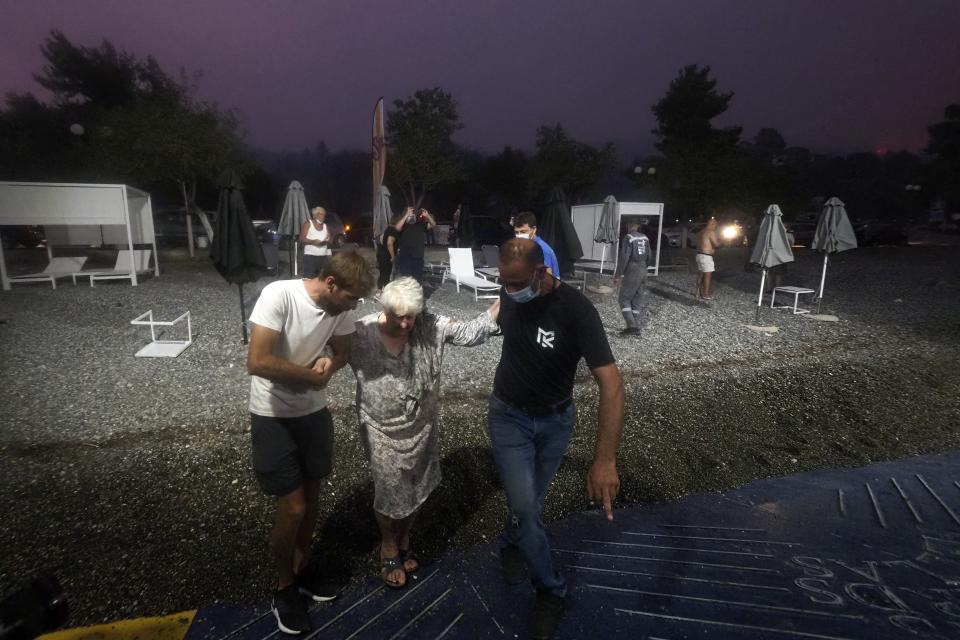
<point>833,75</point>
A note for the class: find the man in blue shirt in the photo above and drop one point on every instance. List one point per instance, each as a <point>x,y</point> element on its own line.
<point>525,226</point>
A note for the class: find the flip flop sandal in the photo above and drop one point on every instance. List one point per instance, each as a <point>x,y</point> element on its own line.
<point>410,556</point>
<point>389,566</point>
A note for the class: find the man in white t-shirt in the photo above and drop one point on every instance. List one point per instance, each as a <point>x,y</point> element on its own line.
<point>291,427</point>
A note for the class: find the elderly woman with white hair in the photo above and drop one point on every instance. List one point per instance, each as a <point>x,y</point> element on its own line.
<point>396,357</point>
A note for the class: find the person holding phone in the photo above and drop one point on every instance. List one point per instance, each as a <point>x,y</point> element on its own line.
<point>410,245</point>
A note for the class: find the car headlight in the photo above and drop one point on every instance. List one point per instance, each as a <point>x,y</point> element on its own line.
<point>730,232</point>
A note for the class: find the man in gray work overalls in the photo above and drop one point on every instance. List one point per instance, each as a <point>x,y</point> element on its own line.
<point>631,275</point>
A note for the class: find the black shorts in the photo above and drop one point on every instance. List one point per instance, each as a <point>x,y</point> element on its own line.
<point>288,451</point>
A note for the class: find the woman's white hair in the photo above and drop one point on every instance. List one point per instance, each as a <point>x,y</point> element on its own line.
<point>403,296</point>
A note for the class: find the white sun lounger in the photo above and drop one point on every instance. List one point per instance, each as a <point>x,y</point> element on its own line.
<point>58,268</point>
<point>463,273</point>
<point>122,269</point>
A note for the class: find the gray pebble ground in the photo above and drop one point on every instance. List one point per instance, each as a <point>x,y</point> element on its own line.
<point>130,478</point>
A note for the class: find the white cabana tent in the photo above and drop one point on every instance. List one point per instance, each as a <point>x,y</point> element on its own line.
<point>586,219</point>
<point>79,214</point>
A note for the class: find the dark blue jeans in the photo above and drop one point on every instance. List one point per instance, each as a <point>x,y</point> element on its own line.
<point>527,451</point>
<point>409,266</point>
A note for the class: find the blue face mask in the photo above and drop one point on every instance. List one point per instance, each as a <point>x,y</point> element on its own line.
<point>526,294</point>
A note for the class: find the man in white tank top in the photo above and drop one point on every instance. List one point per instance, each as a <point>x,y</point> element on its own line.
<point>315,238</point>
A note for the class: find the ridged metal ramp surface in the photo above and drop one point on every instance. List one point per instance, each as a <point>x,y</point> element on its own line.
<point>870,553</point>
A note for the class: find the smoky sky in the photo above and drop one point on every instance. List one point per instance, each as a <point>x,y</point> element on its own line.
<point>837,75</point>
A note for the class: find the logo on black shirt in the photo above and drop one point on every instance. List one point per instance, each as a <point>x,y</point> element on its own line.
<point>545,338</point>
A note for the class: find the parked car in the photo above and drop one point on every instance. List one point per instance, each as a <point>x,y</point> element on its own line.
<point>170,227</point>
<point>878,232</point>
<point>336,228</point>
<point>267,231</point>
<point>489,230</point>
<point>26,236</point>
<point>674,235</point>
<point>359,230</point>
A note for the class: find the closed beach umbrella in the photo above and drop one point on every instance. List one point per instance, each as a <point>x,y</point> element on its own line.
<point>381,214</point>
<point>608,231</point>
<point>557,230</point>
<point>295,213</point>
<point>465,227</point>
<point>771,248</point>
<point>834,234</point>
<point>236,251</point>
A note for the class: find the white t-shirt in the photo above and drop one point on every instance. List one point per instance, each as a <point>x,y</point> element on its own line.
<point>314,234</point>
<point>304,328</point>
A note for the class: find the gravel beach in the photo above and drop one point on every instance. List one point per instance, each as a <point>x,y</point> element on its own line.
<point>130,478</point>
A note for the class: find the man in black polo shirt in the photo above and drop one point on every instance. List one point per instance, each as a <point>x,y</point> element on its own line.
<point>547,327</point>
<point>413,236</point>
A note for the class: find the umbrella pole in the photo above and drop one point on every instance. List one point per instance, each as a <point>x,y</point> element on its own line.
<point>823,279</point>
<point>603,255</point>
<point>763,279</point>
<point>243,319</point>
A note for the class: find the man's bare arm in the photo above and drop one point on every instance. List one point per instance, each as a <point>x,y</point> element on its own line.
<point>262,362</point>
<point>603,483</point>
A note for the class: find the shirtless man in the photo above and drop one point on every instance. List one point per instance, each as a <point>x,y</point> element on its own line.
<point>707,242</point>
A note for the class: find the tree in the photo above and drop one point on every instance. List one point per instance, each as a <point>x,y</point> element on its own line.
<point>769,143</point>
<point>696,155</point>
<point>422,154</point>
<point>182,142</point>
<point>101,76</point>
<point>506,175</point>
<point>137,124</point>
<point>574,165</point>
<point>35,142</point>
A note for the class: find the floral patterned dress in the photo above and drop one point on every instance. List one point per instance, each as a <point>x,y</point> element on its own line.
<point>397,405</point>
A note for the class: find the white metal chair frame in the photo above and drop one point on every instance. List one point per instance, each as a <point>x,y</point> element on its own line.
<point>796,291</point>
<point>163,348</point>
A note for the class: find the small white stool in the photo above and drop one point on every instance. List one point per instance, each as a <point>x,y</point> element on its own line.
<point>162,348</point>
<point>796,291</point>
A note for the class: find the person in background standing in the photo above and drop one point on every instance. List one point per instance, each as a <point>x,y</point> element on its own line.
<point>387,250</point>
<point>315,239</point>
<point>454,240</point>
<point>410,245</point>
<point>707,242</point>
<point>631,276</point>
<point>525,226</point>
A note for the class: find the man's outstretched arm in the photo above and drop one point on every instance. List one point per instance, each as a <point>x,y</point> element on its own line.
<point>603,483</point>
